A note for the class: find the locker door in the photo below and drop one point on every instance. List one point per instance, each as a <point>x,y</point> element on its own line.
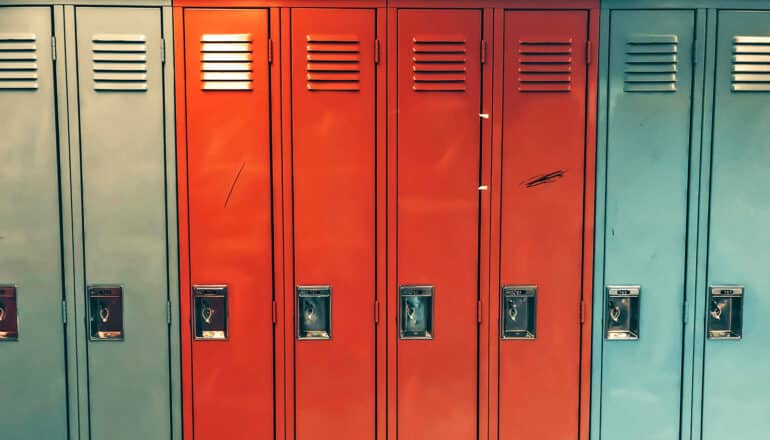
<point>333,129</point>
<point>650,82</point>
<point>228,142</point>
<point>439,99</point>
<point>120,91</point>
<point>32,356</point>
<point>542,222</point>
<point>736,384</point>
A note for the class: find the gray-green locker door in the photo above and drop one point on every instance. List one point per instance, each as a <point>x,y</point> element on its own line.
<point>736,389</point>
<point>645,230</point>
<point>33,389</point>
<point>121,96</point>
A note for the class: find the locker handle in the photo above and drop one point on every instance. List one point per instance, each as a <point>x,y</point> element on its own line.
<point>207,313</point>
<point>2,312</point>
<point>725,312</point>
<point>614,312</point>
<point>104,313</point>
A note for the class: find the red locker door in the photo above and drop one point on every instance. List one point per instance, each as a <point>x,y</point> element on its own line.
<point>229,188</point>
<point>544,130</point>
<point>333,129</point>
<point>439,129</point>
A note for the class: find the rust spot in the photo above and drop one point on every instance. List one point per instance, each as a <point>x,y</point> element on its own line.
<point>544,179</point>
<point>235,181</point>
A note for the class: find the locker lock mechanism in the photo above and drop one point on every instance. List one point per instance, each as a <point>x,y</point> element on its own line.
<point>314,312</point>
<point>725,312</point>
<point>9,321</point>
<point>416,312</point>
<point>622,321</point>
<point>519,312</point>
<point>105,304</point>
<point>211,314</point>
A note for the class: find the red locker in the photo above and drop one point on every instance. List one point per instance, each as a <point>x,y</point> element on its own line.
<point>438,133</point>
<point>228,198</point>
<point>333,132</point>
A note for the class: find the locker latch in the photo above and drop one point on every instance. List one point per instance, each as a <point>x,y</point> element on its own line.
<point>519,312</point>
<point>416,312</point>
<point>9,319</point>
<point>105,311</point>
<point>622,321</point>
<point>211,312</point>
<point>725,312</point>
<point>314,312</point>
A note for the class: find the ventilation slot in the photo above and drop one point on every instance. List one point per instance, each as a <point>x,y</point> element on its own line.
<point>18,61</point>
<point>751,64</point>
<point>651,63</point>
<point>226,62</point>
<point>120,62</point>
<point>545,66</point>
<point>439,63</point>
<point>333,63</point>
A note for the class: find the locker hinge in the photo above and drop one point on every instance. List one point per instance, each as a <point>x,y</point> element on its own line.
<point>694,51</point>
<point>376,51</point>
<point>163,50</point>
<point>270,54</point>
<point>168,312</point>
<point>64,311</point>
<point>684,312</point>
<point>589,51</point>
<point>582,311</point>
<point>275,312</point>
<point>483,51</point>
<point>376,312</point>
<point>478,311</point>
<point>53,48</point>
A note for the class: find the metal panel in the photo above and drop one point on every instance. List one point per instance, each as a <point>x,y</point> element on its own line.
<point>647,151</point>
<point>438,224</point>
<point>542,217</point>
<point>333,132</point>
<point>736,385</point>
<point>33,380</point>
<point>122,152</point>
<point>228,150</point>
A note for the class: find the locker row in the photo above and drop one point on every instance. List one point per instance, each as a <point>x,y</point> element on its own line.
<point>403,219</point>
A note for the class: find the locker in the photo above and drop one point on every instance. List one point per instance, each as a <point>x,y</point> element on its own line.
<point>542,222</point>
<point>124,247</point>
<point>438,129</point>
<point>32,355</point>
<point>736,357</point>
<point>333,120</point>
<point>642,223</point>
<point>228,196</point>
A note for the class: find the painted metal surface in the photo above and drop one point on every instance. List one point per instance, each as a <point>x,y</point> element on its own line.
<point>644,220</point>
<point>438,171</point>
<point>735,385</point>
<point>230,236</point>
<point>120,92</point>
<point>545,73</point>
<point>333,173</point>
<point>33,380</point>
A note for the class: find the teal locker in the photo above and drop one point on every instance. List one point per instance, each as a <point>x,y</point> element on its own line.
<point>32,355</point>
<point>736,364</point>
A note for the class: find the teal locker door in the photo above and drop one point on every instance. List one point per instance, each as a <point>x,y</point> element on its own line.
<point>32,364</point>
<point>648,143</point>
<point>736,388</point>
<point>121,94</point>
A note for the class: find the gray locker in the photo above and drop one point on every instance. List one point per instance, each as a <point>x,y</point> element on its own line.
<point>32,351</point>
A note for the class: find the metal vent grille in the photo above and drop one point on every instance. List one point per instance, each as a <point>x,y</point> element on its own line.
<point>545,66</point>
<point>439,63</point>
<point>651,63</point>
<point>333,63</point>
<point>120,62</point>
<point>18,61</point>
<point>226,62</point>
<point>751,64</point>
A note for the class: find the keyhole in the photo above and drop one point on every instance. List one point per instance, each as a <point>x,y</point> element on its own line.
<point>513,310</point>
<point>207,313</point>
<point>716,310</point>
<point>614,312</point>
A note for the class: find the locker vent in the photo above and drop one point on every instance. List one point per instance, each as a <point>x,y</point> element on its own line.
<point>651,63</point>
<point>226,62</point>
<point>439,63</point>
<point>18,61</point>
<point>333,63</point>
<point>120,62</point>
<point>545,66</point>
<point>751,64</point>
